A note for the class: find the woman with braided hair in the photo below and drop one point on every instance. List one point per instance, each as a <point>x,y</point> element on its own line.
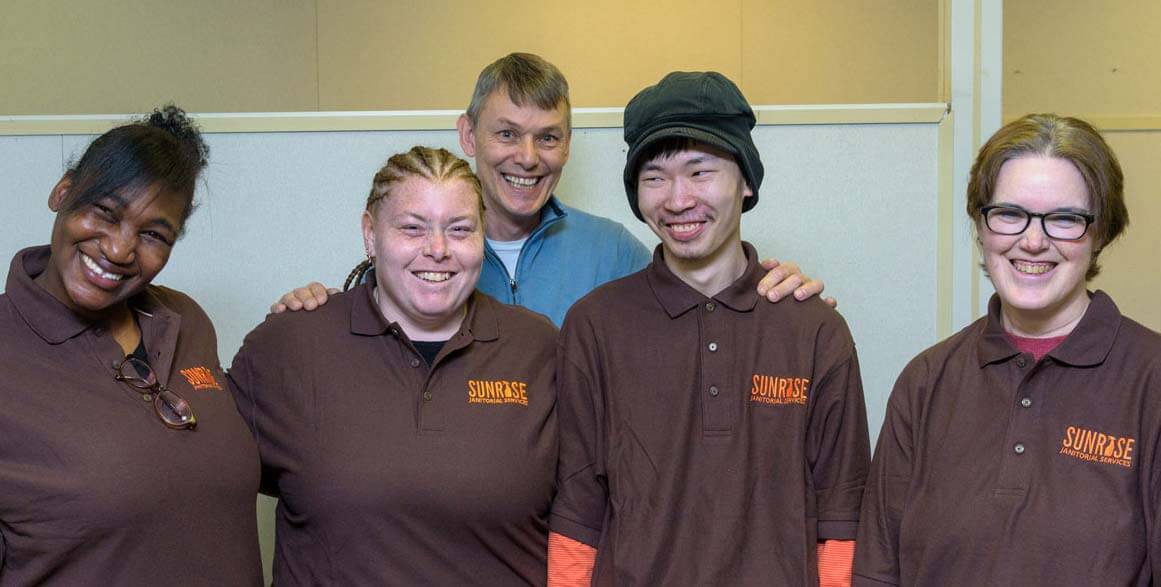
<point>123,460</point>
<point>407,427</point>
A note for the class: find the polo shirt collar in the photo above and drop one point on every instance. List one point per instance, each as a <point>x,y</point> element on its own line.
<point>480,324</point>
<point>1088,344</point>
<point>47,316</point>
<point>1092,340</point>
<point>677,297</point>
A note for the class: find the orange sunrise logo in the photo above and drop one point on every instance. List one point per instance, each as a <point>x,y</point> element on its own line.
<point>768,389</point>
<point>201,378</point>
<point>499,391</point>
<point>1097,447</point>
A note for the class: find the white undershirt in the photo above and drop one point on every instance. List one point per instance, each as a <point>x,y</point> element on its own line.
<point>509,253</point>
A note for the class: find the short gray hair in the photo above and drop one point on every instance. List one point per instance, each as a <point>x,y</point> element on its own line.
<point>527,78</point>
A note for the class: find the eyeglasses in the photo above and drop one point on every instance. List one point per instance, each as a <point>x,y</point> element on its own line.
<point>1010,220</point>
<point>173,410</point>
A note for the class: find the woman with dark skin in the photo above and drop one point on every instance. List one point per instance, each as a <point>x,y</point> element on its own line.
<point>123,460</point>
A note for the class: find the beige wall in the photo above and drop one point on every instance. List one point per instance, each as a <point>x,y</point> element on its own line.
<point>119,56</point>
<point>1096,59</point>
<point>1100,61</point>
<point>1132,265</point>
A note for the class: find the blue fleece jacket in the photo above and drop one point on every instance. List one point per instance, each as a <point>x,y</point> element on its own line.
<point>568,255</point>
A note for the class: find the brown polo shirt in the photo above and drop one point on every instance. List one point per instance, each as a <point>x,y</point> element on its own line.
<point>707,441</point>
<point>393,473</point>
<point>995,469</point>
<point>94,488</point>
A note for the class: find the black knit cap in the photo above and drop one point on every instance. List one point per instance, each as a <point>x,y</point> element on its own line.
<point>703,106</point>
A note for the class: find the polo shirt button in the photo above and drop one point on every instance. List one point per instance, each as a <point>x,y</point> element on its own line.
<point>414,362</point>
<point>1026,402</point>
<point>713,390</point>
<point>427,396</point>
<point>1019,448</point>
<point>713,347</point>
<point>1020,362</point>
<point>710,306</point>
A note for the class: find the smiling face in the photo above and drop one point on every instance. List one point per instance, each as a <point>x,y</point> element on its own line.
<point>692,200</point>
<point>1040,280</point>
<point>428,243</point>
<point>107,251</point>
<point>520,152</point>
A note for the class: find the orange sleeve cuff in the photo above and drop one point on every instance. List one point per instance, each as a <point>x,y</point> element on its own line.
<point>570,562</point>
<point>835,560</point>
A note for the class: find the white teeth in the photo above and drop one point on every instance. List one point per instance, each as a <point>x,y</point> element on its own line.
<point>692,226</point>
<point>524,182</point>
<point>1032,268</point>
<point>435,276</point>
<point>92,265</point>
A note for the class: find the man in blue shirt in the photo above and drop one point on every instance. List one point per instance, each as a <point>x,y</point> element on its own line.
<point>540,253</point>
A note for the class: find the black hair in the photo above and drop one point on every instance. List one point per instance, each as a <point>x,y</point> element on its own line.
<point>666,148</point>
<point>163,148</point>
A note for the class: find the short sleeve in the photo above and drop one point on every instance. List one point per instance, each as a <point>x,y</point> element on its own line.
<point>578,511</point>
<point>838,450</point>
<point>877,557</point>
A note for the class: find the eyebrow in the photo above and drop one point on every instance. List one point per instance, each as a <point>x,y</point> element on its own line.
<point>1063,209</point>
<point>555,127</point>
<point>652,164</point>
<point>414,216</point>
<point>120,203</point>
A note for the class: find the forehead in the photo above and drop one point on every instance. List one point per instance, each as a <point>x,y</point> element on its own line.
<point>499,106</point>
<point>423,197</point>
<point>1041,182</point>
<point>147,200</point>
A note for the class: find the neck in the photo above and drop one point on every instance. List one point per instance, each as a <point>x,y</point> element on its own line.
<point>126,332</point>
<point>422,328</point>
<point>709,275</point>
<point>1045,323</point>
<point>500,227</point>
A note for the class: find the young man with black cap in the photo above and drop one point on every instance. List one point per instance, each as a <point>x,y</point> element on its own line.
<point>706,438</point>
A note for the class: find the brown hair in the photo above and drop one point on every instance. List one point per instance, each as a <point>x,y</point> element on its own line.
<point>1071,139</point>
<point>434,165</point>
<point>527,78</point>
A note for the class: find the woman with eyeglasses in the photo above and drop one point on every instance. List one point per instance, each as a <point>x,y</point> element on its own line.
<point>1026,449</point>
<point>123,460</point>
<point>407,427</point>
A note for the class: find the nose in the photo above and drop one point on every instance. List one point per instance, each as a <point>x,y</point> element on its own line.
<point>436,245</point>
<point>1034,238</point>
<point>526,154</point>
<point>681,196</point>
<point>120,245</point>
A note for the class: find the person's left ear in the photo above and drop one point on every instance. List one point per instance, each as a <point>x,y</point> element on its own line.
<point>747,191</point>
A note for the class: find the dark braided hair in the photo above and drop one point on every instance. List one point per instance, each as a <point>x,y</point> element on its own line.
<point>163,148</point>
<point>356,275</point>
<point>435,165</point>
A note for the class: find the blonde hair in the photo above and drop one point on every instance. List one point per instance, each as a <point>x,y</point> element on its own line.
<point>434,165</point>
